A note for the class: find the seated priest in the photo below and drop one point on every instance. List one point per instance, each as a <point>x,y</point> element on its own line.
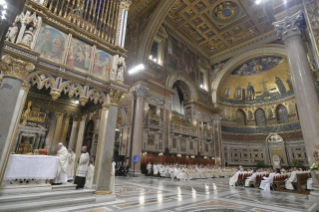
<point>89,175</point>
<point>63,162</point>
<point>291,179</point>
<point>265,183</point>
<point>251,178</point>
<point>83,161</point>
<point>233,179</point>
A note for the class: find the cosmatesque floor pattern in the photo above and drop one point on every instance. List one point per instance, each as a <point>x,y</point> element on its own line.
<point>213,195</point>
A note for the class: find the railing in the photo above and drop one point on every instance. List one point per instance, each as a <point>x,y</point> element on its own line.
<point>99,17</point>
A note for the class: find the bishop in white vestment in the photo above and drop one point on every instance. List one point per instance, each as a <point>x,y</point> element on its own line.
<point>62,176</point>
<point>72,157</point>
<point>89,176</point>
<point>83,161</point>
<point>250,178</point>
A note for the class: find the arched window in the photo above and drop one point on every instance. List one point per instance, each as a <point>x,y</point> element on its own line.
<point>260,117</point>
<point>282,116</point>
<point>240,118</point>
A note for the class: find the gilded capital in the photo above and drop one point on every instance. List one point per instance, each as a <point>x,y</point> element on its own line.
<point>55,94</point>
<point>83,100</point>
<point>140,90</point>
<point>26,86</point>
<point>116,96</point>
<point>290,26</point>
<point>125,4</point>
<point>15,67</point>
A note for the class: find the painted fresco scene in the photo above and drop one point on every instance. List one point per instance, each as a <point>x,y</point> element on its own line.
<point>51,44</point>
<point>79,55</point>
<point>102,65</point>
<point>258,80</point>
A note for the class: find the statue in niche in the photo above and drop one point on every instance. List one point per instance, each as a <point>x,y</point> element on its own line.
<point>250,92</point>
<point>237,94</point>
<point>270,113</point>
<point>28,37</point>
<point>121,67</point>
<point>277,162</point>
<point>281,86</point>
<point>12,33</point>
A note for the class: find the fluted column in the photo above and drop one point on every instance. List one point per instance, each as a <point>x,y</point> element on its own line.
<point>106,146</point>
<point>65,129</point>
<point>74,131</point>
<point>140,91</point>
<point>290,31</point>
<point>217,138</point>
<point>13,93</point>
<point>57,133</point>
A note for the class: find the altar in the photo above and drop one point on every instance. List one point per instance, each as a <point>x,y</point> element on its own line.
<point>29,173</point>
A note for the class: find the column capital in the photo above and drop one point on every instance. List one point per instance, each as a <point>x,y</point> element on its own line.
<point>140,90</point>
<point>125,4</point>
<point>290,26</point>
<point>116,96</point>
<point>15,67</point>
<point>55,93</point>
<point>26,86</point>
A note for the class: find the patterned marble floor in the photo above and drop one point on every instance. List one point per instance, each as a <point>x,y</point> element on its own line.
<point>213,195</point>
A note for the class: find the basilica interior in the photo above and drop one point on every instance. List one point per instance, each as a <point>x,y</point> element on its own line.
<point>222,87</point>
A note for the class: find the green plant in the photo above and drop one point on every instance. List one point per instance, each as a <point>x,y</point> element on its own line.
<point>295,163</point>
<point>260,164</point>
<point>314,167</point>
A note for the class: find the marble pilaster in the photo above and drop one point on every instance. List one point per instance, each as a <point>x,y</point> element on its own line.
<point>74,131</point>
<point>290,31</point>
<point>140,91</point>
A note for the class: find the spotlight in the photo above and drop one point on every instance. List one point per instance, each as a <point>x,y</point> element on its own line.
<point>137,69</point>
<point>77,102</point>
<point>151,57</point>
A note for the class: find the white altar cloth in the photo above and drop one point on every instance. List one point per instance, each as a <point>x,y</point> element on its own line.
<point>37,167</point>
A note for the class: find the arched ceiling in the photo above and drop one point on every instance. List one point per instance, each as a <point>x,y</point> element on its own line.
<point>259,79</point>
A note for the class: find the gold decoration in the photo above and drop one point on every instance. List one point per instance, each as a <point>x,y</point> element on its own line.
<point>55,94</point>
<point>15,67</point>
<point>83,100</point>
<point>176,120</point>
<point>116,96</point>
<point>154,116</point>
<point>25,147</point>
<point>225,10</point>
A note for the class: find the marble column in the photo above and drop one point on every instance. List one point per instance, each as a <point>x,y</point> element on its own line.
<point>74,131</point>
<point>217,135</point>
<point>104,183</point>
<point>57,133</point>
<point>140,91</point>
<point>79,140</point>
<point>290,31</point>
<point>13,93</point>
<point>65,129</point>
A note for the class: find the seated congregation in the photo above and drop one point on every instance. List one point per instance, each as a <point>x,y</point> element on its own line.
<point>290,180</point>
<point>188,171</point>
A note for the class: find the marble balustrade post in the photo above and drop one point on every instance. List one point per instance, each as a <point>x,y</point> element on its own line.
<point>13,94</point>
<point>140,91</point>
<point>290,31</point>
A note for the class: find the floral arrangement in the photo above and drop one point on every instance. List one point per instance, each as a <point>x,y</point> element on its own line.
<point>314,167</point>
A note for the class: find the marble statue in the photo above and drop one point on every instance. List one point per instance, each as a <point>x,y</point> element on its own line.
<point>276,161</point>
<point>121,68</point>
<point>12,33</point>
<point>28,37</point>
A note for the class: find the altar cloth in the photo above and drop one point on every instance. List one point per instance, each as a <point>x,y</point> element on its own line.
<point>37,167</point>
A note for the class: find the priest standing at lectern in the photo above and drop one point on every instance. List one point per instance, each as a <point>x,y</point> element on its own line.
<point>83,161</point>
<point>62,176</point>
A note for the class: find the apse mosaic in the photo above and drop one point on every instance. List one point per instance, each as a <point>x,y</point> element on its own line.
<point>257,80</point>
<point>102,65</point>
<point>51,43</point>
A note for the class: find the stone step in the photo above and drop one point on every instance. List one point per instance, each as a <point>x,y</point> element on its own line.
<point>64,187</point>
<point>45,196</point>
<point>46,205</point>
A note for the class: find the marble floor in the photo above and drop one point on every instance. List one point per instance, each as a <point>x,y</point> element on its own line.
<point>213,195</point>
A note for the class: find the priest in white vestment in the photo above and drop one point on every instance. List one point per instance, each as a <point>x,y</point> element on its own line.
<point>265,183</point>
<point>233,179</point>
<point>112,184</point>
<point>83,161</point>
<point>72,157</point>
<point>155,170</point>
<point>149,168</point>
<point>89,176</point>
<point>250,178</point>
<point>291,179</point>
<point>62,176</point>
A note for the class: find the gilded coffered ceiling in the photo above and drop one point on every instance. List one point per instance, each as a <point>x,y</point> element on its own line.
<point>218,25</point>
